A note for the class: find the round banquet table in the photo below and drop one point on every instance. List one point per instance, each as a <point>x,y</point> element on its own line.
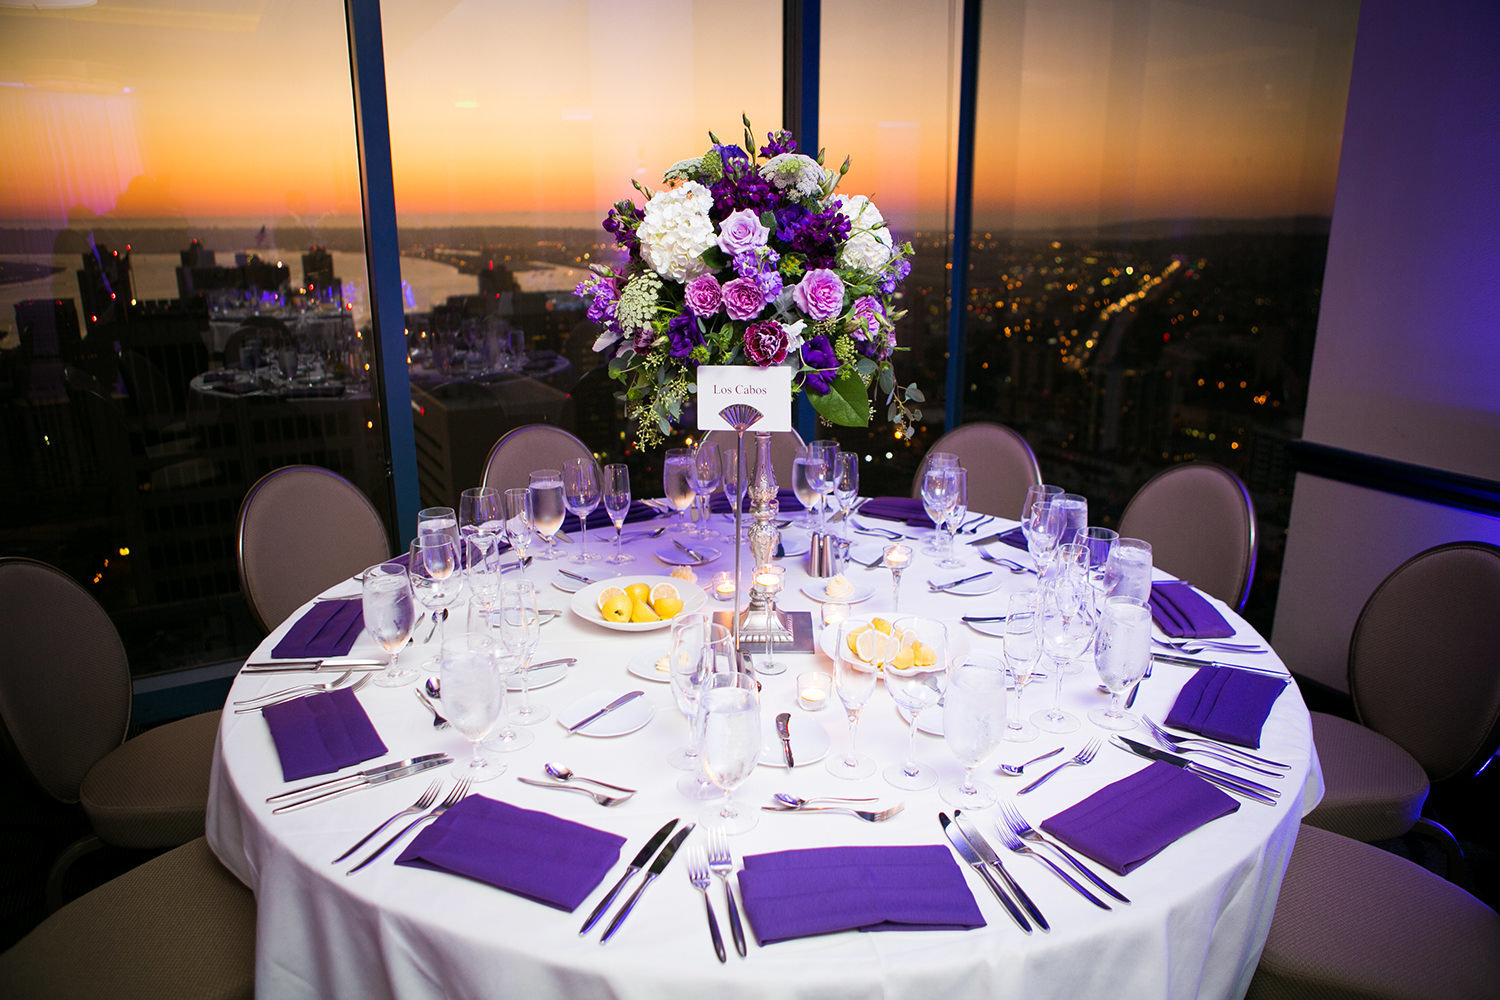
<point>1195,928</point>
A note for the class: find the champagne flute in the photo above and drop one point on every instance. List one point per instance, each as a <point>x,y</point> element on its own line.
<point>390,613</point>
<point>507,738</point>
<point>802,486</point>
<point>958,509</point>
<point>1120,656</point>
<point>677,484</point>
<point>860,651</point>
<point>734,486</point>
<point>727,725</point>
<point>1067,629</point>
<point>708,474</point>
<point>973,723</point>
<point>473,695</point>
<point>520,526</point>
<point>616,492</point>
<point>846,482</point>
<point>547,509</point>
<point>437,581</point>
<point>581,496</point>
<point>482,568</point>
<point>822,459</point>
<point>520,631</point>
<point>1041,523</point>
<point>916,678</point>
<point>1022,648</point>
<point>897,558</point>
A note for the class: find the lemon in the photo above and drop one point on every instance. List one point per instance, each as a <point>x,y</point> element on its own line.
<point>640,611</point>
<point>617,608</point>
<point>874,646</point>
<point>639,592</point>
<point>923,655</point>
<point>662,590</point>
<point>853,640</point>
<point>609,594</point>
<point>881,624</point>
<point>904,659</point>
<point>667,607</point>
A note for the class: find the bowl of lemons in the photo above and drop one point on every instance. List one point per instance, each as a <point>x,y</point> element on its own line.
<point>637,603</point>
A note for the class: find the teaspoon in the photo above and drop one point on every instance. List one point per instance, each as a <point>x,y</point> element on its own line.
<point>1016,769</point>
<point>564,773</point>
<point>794,802</point>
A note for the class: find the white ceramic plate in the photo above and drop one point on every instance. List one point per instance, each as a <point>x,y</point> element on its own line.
<point>538,678</point>
<point>819,592</point>
<point>994,629</point>
<point>585,603</point>
<point>974,588</point>
<point>673,556</point>
<point>643,665</point>
<point>794,542</point>
<point>810,742</point>
<point>625,719</point>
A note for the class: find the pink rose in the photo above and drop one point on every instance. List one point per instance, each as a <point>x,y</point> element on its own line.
<point>743,299</point>
<point>766,343</point>
<point>702,294</point>
<point>820,294</point>
<point>741,231</point>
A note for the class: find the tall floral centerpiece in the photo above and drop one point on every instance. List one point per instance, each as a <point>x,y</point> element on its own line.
<point>749,256</point>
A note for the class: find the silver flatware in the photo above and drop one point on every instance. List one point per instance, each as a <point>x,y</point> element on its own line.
<point>370,782</point>
<point>1177,743</point>
<point>438,617</point>
<point>697,872</point>
<point>1083,756</point>
<point>423,803</point>
<point>783,729</point>
<point>943,588</point>
<point>971,833</point>
<point>311,665</point>
<point>452,799</point>
<point>1194,646</point>
<point>867,815</point>
<point>636,864</point>
<point>721,863</point>
<point>1014,770</point>
<point>973,860</point>
<point>371,772</point>
<point>886,533</point>
<point>1188,661</point>
<point>1170,745</point>
<point>563,772</point>
<point>311,688</point>
<point>599,797</point>
<point>1014,844</point>
<point>1009,564</point>
<point>292,697</point>
<point>576,576</point>
<point>1135,688</point>
<point>1230,783</point>
<point>624,699</point>
<point>690,553</point>
<point>438,721</point>
<point>663,858</point>
<point>983,618</point>
<point>1013,819</point>
<point>794,802</point>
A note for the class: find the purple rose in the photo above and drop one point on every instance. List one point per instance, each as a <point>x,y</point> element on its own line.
<point>868,312</point>
<point>743,299</point>
<point>702,294</point>
<point>820,294</point>
<point>742,231</point>
<point>765,343</point>
<point>823,365</point>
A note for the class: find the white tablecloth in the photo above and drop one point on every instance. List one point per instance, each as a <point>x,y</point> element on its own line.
<point>1199,914</point>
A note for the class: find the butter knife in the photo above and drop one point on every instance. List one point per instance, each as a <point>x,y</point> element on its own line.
<point>636,864</point>
<point>657,867</point>
<point>378,779</point>
<point>783,729</point>
<point>972,859</point>
<point>1229,782</point>
<point>624,699</point>
<point>939,588</point>
<point>971,833</point>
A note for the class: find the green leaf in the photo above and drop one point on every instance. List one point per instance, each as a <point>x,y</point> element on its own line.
<point>887,380</point>
<point>845,404</point>
<point>914,395</point>
<point>714,258</point>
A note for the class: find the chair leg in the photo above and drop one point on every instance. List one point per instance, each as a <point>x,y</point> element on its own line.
<point>71,855</point>
<point>1458,868</point>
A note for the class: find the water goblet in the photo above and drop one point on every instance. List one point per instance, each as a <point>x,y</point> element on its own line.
<point>699,647</point>
<point>437,581</point>
<point>547,509</point>
<point>1075,509</point>
<point>1022,648</point>
<point>434,520</point>
<point>520,631</point>
<point>939,492</point>
<point>726,723</point>
<point>480,511</point>
<point>708,475</point>
<point>506,737</point>
<point>581,496</point>
<point>973,723</point>
<point>1129,573</point>
<point>916,678</point>
<point>897,558</point>
<point>677,484</point>
<point>473,695</point>
<point>616,493</point>
<point>519,524</point>
<point>390,613</point>
<point>859,653</point>
<point>1099,545</point>
<point>1120,655</point>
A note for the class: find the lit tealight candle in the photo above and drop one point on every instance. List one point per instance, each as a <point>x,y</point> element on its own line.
<point>813,689</point>
<point>833,613</point>
<point>723,586</point>
<point>770,579</point>
<point>897,556</point>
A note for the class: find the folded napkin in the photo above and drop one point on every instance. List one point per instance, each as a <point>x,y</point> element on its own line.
<point>532,854</point>
<point>792,894</point>
<point>786,500</point>
<point>897,509</point>
<point>1226,704</point>
<point>328,629</point>
<point>599,517</point>
<point>321,733</point>
<point>1183,613</point>
<point>1015,537</point>
<point>1125,824</point>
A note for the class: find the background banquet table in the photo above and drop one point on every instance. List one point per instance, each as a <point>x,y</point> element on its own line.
<point>1199,914</point>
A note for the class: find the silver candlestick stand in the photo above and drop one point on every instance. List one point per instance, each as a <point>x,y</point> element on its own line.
<point>760,619</point>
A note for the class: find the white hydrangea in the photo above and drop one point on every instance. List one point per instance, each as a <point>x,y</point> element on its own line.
<point>676,230</point>
<point>794,170</point>
<point>869,246</point>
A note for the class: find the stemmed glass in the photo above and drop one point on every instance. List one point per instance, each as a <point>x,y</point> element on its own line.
<point>957,511</point>
<point>479,511</point>
<point>708,474</point>
<point>939,493</point>
<point>547,509</point>
<point>438,520</point>
<point>1022,648</point>
<point>390,613</point>
<point>616,493</point>
<point>1099,545</point>
<point>770,580</point>
<point>1041,523</point>
<point>699,649</point>
<point>482,568</point>
<point>1120,655</point>
<point>846,483</point>
<point>1129,573</point>
<point>677,484</point>
<point>507,738</point>
<point>1067,630</point>
<point>916,678</point>
<point>1075,509</point>
<point>473,695</point>
<point>973,723</point>
<point>897,558</point>
<point>520,631</point>
<point>519,524</point>
<point>859,653</point>
<point>581,496</point>
<point>802,486</point>
<point>727,725</point>
<point>436,580</point>
<point>822,460</point>
<point>940,460</point>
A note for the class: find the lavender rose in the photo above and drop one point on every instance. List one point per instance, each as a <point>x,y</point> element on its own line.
<point>820,293</point>
<point>765,343</point>
<point>743,299</point>
<point>742,231</point>
<point>823,365</point>
<point>702,294</point>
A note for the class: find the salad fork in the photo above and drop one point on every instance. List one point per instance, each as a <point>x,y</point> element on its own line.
<point>860,529</point>
<point>697,872</point>
<point>1009,564</point>
<point>1012,818</point>
<point>423,803</point>
<point>1177,744</point>
<point>1192,646</point>
<point>351,688</point>
<point>1083,756</point>
<point>1012,842</point>
<point>452,799</point>
<point>721,863</point>
<point>864,814</point>
<point>311,687</point>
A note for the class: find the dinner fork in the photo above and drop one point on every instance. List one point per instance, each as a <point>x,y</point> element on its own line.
<point>351,688</point>
<point>1012,842</point>
<point>453,798</point>
<point>1009,564</point>
<point>1192,646</point>
<point>860,529</point>
<point>311,687</point>
<point>1083,756</point>
<point>1170,741</point>
<point>721,863</point>
<point>1018,825</point>
<point>423,802</point>
<point>697,873</point>
<point>864,814</point>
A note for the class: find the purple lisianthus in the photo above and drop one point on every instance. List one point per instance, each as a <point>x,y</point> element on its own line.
<point>741,232</point>
<point>820,294</point>
<point>868,312</point>
<point>894,278</point>
<point>682,337</point>
<point>743,299</point>
<point>765,343</point>
<point>821,363</point>
<point>703,295</point>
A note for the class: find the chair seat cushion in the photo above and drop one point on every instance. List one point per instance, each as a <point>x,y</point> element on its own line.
<point>151,791</point>
<point>1353,920</point>
<point>1374,790</point>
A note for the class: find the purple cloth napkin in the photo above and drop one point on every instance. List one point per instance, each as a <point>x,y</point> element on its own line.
<point>897,509</point>
<point>1015,537</point>
<point>786,499</point>
<point>822,890</point>
<point>1125,824</point>
<point>1226,704</point>
<point>328,629</point>
<point>1183,613</point>
<point>599,518</point>
<point>321,733</point>
<point>532,854</point>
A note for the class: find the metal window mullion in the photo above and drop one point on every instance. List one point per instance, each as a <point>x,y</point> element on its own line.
<point>801,49</point>
<point>963,210</point>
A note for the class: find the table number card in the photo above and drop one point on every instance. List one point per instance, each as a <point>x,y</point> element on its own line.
<point>769,390</point>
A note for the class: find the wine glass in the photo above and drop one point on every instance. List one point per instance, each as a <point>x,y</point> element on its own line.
<point>580,478</point>
<point>1129,573</point>
<point>939,493</point>
<point>519,524</point>
<point>438,520</point>
<point>846,482</point>
<point>1041,523</point>
<point>1099,545</point>
<point>973,723</point>
<point>699,650</point>
<point>389,613</point>
<point>479,511</point>
<point>897,558</point>
<point>1022,648</point>
<point>1120,655</point>
<point>958,509</point>
<point>547,509</point>
<point>616,493</point>
<point>482,568</point>
<point>916,677</point>
<point>734,486</point>
<point>520,631</point>
<point>802,486</point>
<point>1067,629</point>
<point>708,474</point>
<point>822,461</point>
<point>677,484</point>
<point>860,651</point>
<point>940,460</point>
<point>1075,516</point>
<point>507,738</point>
<point>473,694</point>
<point>727,726</point>
<point>437,581</point>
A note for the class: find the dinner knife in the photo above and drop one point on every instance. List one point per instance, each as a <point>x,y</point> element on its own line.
<point>689,552</point>
<point>368,773</point>
<point>657,867</point>
<point>311,665</point>
<point>636,864</point>
<point>624,699</point>
<point>973,836</point>
<point>971,858</point>
<point>998,536</point>
<point>378,779</point>
<point>1229,782</point>
<point>783,729</point>
<point>967,825</point>
<point>940,588</point>
<point>1188,661</point>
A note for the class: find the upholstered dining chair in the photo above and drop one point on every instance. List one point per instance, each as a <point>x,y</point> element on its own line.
<point>1200,522</point>
<point>179,927</point>
<point>998,463</point>
<point>786,447</point>
<point>1354,922</point>
<point>65,698</point>
<point>523,449</point>
<point>1426,689</point>
<point>302,529</point>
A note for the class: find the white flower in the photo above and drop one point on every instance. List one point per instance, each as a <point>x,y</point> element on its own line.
<point>869,246</point>
<point>794,336</point>
<point>606,340</point>
<point>676,230</point>
<point>794,170</point>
